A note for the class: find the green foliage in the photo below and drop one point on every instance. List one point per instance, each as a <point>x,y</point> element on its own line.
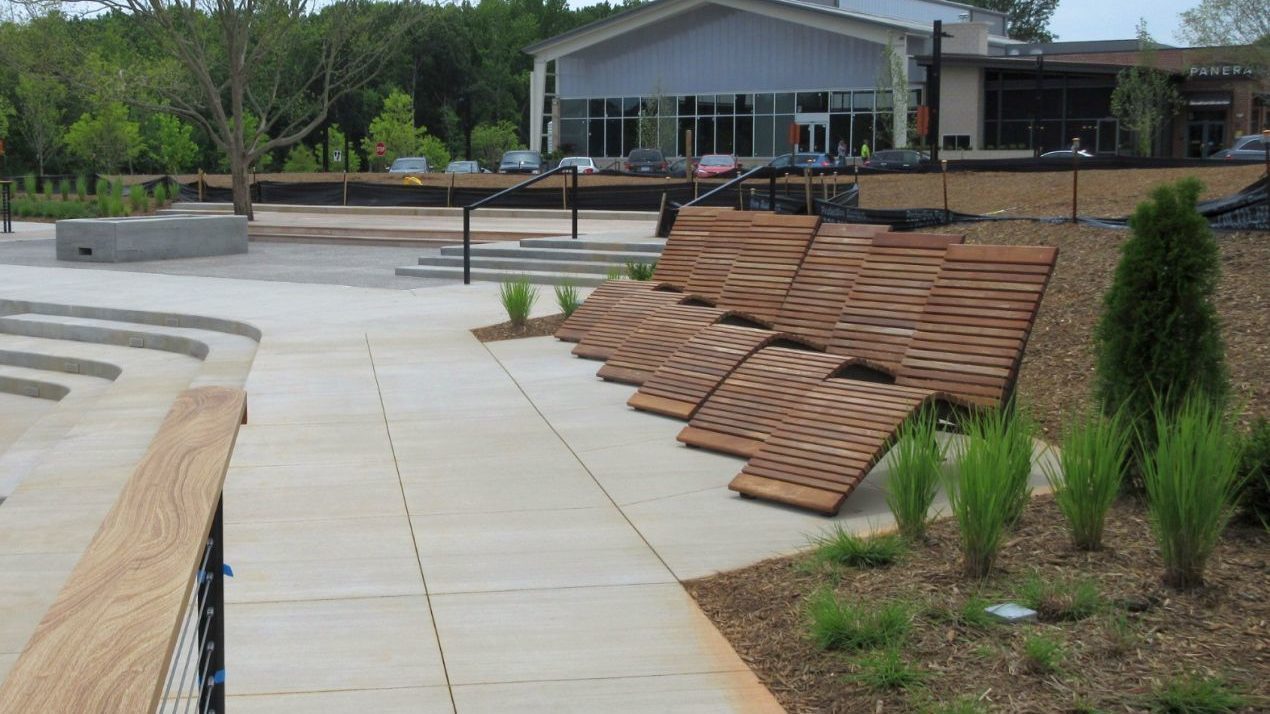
<point>59,210</point>
<point>1159,335</point>
<point>6,111</point>
<point>300,159</point>
<point>1061,600</point>
<point>171,143</point>
<point>435,150</point>
<point>615,273</point>
<point>491,140</point>
<point>102,193</point>
<point>1042,654</point>
<point>81,187</point>
<point>41,99</point>
<point>1090,468</point>
<point>1194,694</point>
<point>395,127</point>
<point>839,625</point>
<point>64,188</point>
<point>48,189</point>
<point>349,161</point>
<point>567,298</point>
<point>1144,100</point>
<point>885,670</point>
<point>518,297</point>
<point>1028,20</point>
<point>845,548</point>
<point>138,202</point>
<point>1254,474</point>
<point>160,195</point>
<point>990,488</point>
<point>106,140</point>
<point>636,270</point>
<point>29,185</point>
<point>1192,483</point>
<point>916,462</point>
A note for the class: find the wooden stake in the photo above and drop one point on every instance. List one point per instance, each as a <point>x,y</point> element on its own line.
<point>200,185</point>
<point>345,202</point>
<point>807,190</point>
<point>449,192</point>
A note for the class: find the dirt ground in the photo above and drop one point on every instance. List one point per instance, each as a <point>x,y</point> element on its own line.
<point>1140,635</point>
<point>533,327</point>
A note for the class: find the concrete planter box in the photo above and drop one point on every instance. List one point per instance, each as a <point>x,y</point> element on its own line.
<point>122,240</point>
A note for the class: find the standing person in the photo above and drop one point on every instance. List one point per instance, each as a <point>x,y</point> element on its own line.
<point>864,151</point>
<point>842,152</point>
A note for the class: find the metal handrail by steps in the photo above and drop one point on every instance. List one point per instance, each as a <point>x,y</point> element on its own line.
<point>467,211</point>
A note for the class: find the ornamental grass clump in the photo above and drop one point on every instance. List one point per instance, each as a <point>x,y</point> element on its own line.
<point>64,188</point>
<point>916,462</point>
<point>29,185</point>
<point>840,625</point>
<point>518,297</point>
<point>160,195</point>
<point>1192,482</point>
<point>138,202</point>
<point>102,194</point>
<point>640,271</point>
<point>568,298</point>
<point>81,187</point>
<point>874,550</point>
<point>990,488</point>
<point>1088,473</point>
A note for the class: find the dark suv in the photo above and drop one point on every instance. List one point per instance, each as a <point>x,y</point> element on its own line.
<point>898,160</point>
<point>646,162</point>
<point>520,162</point>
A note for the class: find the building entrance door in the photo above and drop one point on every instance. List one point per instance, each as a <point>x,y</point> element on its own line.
<point>813,133</point>
<point>1108,130</point>
<point>1205,132</point>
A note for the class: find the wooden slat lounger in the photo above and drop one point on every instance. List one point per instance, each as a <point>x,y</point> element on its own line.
<point>752,294</point>
<point>673,268</point>
<point>807,320</point>
<point>723,242</point>
<point>873,331</point>
<point>966,350</point>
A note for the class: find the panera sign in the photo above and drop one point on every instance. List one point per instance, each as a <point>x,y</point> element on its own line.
<point>1220,71</point>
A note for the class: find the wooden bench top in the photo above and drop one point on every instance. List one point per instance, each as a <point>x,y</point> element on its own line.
<point>106,643</point>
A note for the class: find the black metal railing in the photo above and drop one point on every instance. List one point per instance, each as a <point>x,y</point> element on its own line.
<point>467,211</point>
<point>197,673</point>
<point>6,207</point>
<point>739,179</point>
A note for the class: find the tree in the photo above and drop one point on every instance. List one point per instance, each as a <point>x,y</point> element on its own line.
<point>1244,23</point>
<point>1144,98</point>
<point>107,139</point>
<point>349,160</point>
<point>214,61</point>
<point>1159,335</point>
<point>41,99</point>
<point>434,150</point>
<point>395,127</point>
<point>1027,20</point>
<point>892,81</point>
<point>6,111</point>
<point>171,143</point>
<point>301,160</point>
<point>490,141</point>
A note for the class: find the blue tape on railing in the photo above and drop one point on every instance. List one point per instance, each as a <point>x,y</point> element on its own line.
<point>219,677</point>
<point>228,571</point>
<point>202,574</point>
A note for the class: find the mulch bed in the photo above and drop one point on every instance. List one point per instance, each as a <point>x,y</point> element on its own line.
<point>533,327</point>
<point>1143,634</point>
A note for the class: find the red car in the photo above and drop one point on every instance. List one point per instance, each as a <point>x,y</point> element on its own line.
<point>717,165</point>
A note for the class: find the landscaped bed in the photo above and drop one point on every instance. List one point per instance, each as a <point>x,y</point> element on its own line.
<point>1133,638</point>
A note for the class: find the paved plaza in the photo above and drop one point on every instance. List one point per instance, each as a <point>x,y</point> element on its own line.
<point>417,522</point>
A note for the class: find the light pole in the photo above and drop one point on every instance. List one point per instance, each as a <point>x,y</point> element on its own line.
<point>1075,173</point>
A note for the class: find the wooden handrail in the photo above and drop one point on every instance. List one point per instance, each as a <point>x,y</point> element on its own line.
<point>106,642</point>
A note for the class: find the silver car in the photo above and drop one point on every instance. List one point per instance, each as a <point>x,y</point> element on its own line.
<point>409,165</point>
<point>1245,148</point>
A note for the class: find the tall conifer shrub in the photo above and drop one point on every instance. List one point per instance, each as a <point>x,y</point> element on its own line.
<point>1159,337</point>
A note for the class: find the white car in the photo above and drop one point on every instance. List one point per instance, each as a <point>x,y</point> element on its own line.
<point>585,164</point>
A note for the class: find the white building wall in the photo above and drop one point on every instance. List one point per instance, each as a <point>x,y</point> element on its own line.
<point>961,95</point>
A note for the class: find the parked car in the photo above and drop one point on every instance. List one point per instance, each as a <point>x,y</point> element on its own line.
<point>465,167</point>
<point>520,161</point>
<point>409,165</point>
<point>646,162</point>
<point>679,167</point>
<point>585,164</point>
<point>898,160</point>
<point>802,160</point>
<point>1066,154</point>
<point>1245,148</point>
<point>717,165</point>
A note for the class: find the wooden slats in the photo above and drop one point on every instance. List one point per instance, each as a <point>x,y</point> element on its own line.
<point>608,333</point>
<point>827,443</point>
<point>823,280</point>
<point>599,302</point>
<point>106,642</point>
<point>727,235</point>
<point>970,339</point>
<point>656,339</point>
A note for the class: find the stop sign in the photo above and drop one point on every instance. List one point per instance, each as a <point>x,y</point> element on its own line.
<point>380,149</point>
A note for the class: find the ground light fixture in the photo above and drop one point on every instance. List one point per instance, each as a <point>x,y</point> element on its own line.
<point>1011,612</point>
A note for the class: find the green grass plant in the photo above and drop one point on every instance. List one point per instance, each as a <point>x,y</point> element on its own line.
<point>518,297</point>
<point>1087,477</point>
<point>615,273</point>
<point>990,487</point>
<point>916,462</point>
<point>870,551</point>
<point>636,270</point>
<point>839,625</point>
<point>81,187</point>
<point>1042,653</point>
<point>886,670</point>
<point>567,298</point>
<point>116,192</point>
<point>1194,694</point>
<point>160,195</point>
<point>1061,600</point>
<point>29,185</point>
<point>1192,484</point>
<point>138,202</point>
<point>49,189</point>
<point>64,188</point>
<point>102,193</point>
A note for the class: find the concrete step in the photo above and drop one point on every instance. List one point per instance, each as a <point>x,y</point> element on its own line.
<point>610,257</point>
<point>498,275</point>
<point>583,243</point>
<point>521,264</point>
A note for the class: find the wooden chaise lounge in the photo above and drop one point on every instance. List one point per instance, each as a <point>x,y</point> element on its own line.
<point>965,351</point>
<point>686,241</point>
<point>898,266</point>
<point>762,280</point>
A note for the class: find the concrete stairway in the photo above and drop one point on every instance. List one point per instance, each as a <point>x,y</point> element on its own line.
<point>548,261</point>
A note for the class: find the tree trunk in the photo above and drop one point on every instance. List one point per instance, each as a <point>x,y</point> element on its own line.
<point>241,187</point>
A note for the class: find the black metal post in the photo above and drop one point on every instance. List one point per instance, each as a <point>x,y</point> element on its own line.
<point>1036,106</point>
<point>573,200</point>
<point>1075,173</point>
<point>211,697</point>
<point>1265,141</point>
<point>771,191</point>
<point>6,208</point>
<point>467,245</point>
<point>932,88</point>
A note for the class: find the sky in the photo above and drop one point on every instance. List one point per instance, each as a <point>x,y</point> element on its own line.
<point>1100,19</point>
